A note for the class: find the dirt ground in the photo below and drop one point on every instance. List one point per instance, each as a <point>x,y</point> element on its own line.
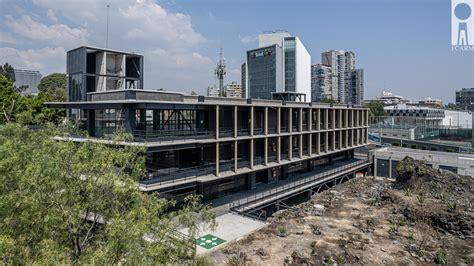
<point>424,218</point>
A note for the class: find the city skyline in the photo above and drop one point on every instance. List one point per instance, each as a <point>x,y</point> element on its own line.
<point>180,41</point>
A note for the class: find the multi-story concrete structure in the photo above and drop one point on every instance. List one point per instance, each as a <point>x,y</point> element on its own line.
<point>216,146</point>
<point>354,86</point>
<point>430,102</point>
<point>342,65</point>
<point>233,90</point>
<point>243,73</point>
<point>322,80</point>
<point>465,99</point>
<point>92,69</point>
<point>281,64</point>
<point>28,78</point>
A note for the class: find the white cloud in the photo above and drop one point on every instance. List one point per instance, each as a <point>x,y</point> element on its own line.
<point>248,38</point>
<point>51,15</point>
<point>6,37</point>
<point>58,34</point>
<point>151,21</point>
<point>47,60</point>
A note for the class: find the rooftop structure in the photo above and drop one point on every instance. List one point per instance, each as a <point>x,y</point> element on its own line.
<point>465,99</point>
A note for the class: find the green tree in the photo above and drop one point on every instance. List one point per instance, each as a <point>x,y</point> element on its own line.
<point>63,202</point>
<point>10,100</point>
<point>375,109</point>
<point>8,71</point>
<point>55,86</point>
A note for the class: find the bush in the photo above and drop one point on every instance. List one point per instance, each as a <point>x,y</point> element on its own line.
<point>441,257</point>
<point>315,229</point>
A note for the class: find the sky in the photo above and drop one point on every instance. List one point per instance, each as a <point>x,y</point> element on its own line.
<point>404,46</point>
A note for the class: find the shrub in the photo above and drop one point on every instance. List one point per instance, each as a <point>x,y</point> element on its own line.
<point>441,257</point>
<point>371,221</point>
<point>315,229</point>
<point>282,231</point>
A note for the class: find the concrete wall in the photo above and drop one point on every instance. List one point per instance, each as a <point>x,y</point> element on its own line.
<point>385,160</point>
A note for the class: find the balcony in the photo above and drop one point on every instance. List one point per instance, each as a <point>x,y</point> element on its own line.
<point>175,174</point>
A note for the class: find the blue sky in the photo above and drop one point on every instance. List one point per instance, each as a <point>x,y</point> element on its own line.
<point>402,45</point>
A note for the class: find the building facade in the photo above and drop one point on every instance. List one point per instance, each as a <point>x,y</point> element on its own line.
<point>29,79</point>
<point>233,90</point>
<point>354,86</point>
<point>465,99</point>
<point>343,67</point>
<point>293,61</point>
<point>322,80</point>
<point>213,91</point>
<point>243,73</point>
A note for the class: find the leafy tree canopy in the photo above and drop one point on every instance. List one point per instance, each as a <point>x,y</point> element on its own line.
<point>327,100</point>
<point>53,81</point>
<point>375,109</point>
<point>8,71</point>
<point>63,202</point>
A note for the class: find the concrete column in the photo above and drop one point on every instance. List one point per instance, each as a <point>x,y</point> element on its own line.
<point>333,140</point>
<point>352,118</point>
<point>346,120</point>
<point>340,139</point>
<point>236,156</point>
<point>279,149</point>
<point>217,158</point>
<point>156,119</point>
<point>251,181</point>
<point>326,118</point>
<point>367,135</point>
<point>390,168</point>
<point>300,126</point>
<point>367,118</point>
<point>310,129</point>
<point>90,125</point>
<point>310,120</point>
<point>290,145</point>
<point>310,144</point>
<point>318,120</point>
<point>318,140</point>
<point>326,142</point>
<point>290,118</point>
<point>279,120</point>
<point>333,118</point>
<point>347,138</point>
<point>358,118</point>
<point>251,120</point>
<point>266,151</point>
<point>266,120</point>
<point>217,121</point>
<point>252,155</point>
<point>341,123</point>
<point>130,120</point>
<point>301,145</point>
<point>375,167</point>
<point>236,113</point>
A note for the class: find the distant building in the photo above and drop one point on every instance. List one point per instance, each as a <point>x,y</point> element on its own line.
<point>465,99</point>
<point>233,90</point>
<point>28,78</point>
<point>213,91</point>
<point>243,73</point>
<point>354,86</point>
<point>281,65</point>
<point>429,102</point>
<point>389,98</point>
<point>342,61</point>
<point>322,80</point>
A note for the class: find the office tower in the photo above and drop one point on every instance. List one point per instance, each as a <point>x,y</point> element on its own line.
<point>281,65</point>
<point>354,86</point>
<point>243,73</point>
<point>322,81</point>
<point>342,61</point>
<point>29,79</point>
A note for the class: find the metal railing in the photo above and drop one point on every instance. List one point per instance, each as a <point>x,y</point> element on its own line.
<point>240,205</point>
<point>226,132</point>
<point>172,135</point>
<point>243,132</point>
<point>173,176</point>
